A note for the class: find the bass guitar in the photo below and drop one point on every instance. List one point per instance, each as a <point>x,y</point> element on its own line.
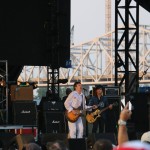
<point>92,117</point>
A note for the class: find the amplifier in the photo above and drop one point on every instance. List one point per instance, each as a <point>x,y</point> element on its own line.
<point>112,91</point>
<point>21,93</point>
<point>54,122</point>
<point>53,106</point>
<point>24,113</point>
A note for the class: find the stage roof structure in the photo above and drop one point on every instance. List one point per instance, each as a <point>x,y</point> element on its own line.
<point>145,4</point>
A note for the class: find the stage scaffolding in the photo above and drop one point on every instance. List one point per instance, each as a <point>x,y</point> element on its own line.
<point>4,91</point>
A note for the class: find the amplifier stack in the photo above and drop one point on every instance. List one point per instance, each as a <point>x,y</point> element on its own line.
<point>24,113</point>
<point>23,110</point>
<point>51,116</point>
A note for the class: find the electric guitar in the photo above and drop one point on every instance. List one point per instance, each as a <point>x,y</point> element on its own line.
<point>73,117</point>
<point>92,117</point>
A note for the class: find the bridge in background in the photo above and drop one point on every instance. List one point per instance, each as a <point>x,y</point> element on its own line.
<point>93,62</point>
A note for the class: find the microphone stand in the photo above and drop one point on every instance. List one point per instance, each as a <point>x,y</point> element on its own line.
<point>86,123</point>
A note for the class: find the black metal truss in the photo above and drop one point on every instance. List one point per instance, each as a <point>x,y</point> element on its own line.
<point>4,91</point>
<point>51,27</point>
<point>53,82</point>
<point>127,56</point>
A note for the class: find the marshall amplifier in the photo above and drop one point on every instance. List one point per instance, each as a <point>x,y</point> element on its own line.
<point>53,106</point>
<point>24,113</point>
<point>54,122</point>
<point>112,91</point>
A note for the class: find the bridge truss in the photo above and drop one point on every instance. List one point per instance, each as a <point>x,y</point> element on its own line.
<point>89,63</point>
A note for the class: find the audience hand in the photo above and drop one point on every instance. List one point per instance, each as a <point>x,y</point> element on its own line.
<point>125,113</point>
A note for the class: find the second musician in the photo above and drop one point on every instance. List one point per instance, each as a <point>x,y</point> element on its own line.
<point>101,101</point>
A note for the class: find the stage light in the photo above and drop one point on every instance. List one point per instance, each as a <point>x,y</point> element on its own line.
<point>119,64</point>
<point>33,84</point>
<point>63,81</point>
<point>2,83</point>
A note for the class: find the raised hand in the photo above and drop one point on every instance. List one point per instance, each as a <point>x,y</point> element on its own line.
<point>125,113</point>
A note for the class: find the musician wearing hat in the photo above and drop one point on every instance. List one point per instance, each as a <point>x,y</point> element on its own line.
<point>101,102</point>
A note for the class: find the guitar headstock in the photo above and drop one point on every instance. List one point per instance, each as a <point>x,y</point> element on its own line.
<point>115,104</point>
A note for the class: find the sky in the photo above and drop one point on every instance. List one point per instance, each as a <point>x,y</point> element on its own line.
<point>88,18</point>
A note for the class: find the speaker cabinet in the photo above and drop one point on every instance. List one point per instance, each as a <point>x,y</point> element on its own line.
<point>113,114</point>
<point>75,144</point>
<point>54,122</point>
<point>24,113</point>
<point>53,106</point>
<point>35,31</point>
<point>92,138</point>
<point>21,93</point>
<point>140,113</point>
<point>51,137</point>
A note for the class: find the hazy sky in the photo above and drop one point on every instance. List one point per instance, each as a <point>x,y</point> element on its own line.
<point>88,18</point>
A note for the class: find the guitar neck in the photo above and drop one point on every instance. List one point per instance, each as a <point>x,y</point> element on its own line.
<point>114,104</point>
<point>81,111</point>
<point>104,109</point>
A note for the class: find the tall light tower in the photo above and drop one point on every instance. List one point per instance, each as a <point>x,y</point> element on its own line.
<point>107,16</point>
<point>108,29</point>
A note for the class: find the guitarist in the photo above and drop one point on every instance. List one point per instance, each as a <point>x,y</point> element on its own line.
<point>75,101</point>
<point>101,101</point>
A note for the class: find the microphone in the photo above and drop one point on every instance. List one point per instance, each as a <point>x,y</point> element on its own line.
<point>84,89</point>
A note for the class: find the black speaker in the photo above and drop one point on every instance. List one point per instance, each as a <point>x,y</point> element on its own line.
<point>25,23</point>
<point>54,122</point>
<point>51,137</point>
<point>140,112</point>
<point>92,138</point>
<point>24,113</point>
<point>113,114</point>
<point>75,144</point>
<point>53,106</point>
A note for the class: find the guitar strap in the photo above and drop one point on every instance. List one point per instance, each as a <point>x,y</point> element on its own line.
<point>101,101</point>
<point>83,103</point>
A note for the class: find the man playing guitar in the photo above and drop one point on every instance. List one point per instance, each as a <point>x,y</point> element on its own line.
<point>99,100</point>
<point>74,102</point>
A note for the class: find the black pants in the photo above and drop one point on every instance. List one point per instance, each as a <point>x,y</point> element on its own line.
<point>100,122</point>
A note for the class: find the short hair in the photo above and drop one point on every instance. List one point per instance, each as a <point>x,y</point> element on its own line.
<point>96,88</point>
<point>32,146</point>
<point>76,83</point>
<point>68,91</point>
<point>103,144</point>
<point>146,137</point>
<point>56,145</point>
<point>91,92</point>
<point>99,87</point>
